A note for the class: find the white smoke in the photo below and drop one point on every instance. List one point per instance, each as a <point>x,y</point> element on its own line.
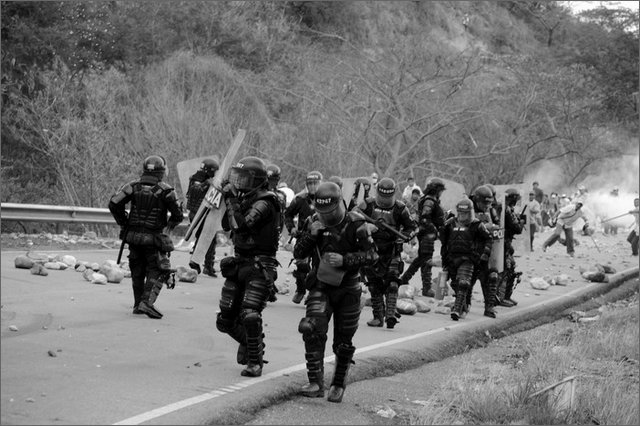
<point>621,173</point>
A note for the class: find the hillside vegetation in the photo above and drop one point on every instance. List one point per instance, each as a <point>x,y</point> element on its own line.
<point>469,91</point>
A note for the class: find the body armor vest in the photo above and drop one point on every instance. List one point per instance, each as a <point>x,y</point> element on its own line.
<point>383,238</point>
<point>435,216</point>
<point>344,240</point>
<point>148,210</point>
<point>460,240</point>
<point>263,240</point>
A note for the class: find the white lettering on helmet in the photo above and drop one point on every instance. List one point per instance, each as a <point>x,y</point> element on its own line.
<point>324,201</point>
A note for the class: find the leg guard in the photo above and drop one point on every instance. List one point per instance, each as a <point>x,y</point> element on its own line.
<point>425,273</point>
<point>490,295</point>
<point>392,299</point>
<point>252,321</point>
<point>344,357</point>
<point>464,275</point>
<point>377,304</point>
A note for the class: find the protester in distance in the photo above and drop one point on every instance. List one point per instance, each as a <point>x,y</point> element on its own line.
<point>300,209</point>
<point>537,192</point>
<point>430,220</point>
<point>634,235</point>
<point>143,230</point>
<point>199,184</point>
<point>409,189</point>
<point>465,244</point>
<point>344,245</point>
<point>535,224</point>
<point>567,217</point>
<point>608,227</point>
<point>383,278</point>
<point>253,218</point>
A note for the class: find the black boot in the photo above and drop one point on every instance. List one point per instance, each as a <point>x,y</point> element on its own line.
<point>377,304</point>
<point>152,289</point>
<point>459,307</point>
<point>315,373</point>
<point>344,356</point>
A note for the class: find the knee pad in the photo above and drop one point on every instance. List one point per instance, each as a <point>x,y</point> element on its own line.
<point>252,320</point>
<point>393,287</point>
<point>306,326</point>
<point>493,276</point>
<point>224,324</point>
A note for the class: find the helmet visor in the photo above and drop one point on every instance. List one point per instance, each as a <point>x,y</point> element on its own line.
<point>312,186</point>
<point>241,180</point>
<point>333,214</point>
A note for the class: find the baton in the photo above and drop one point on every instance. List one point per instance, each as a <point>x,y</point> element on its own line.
<point>615,217</point>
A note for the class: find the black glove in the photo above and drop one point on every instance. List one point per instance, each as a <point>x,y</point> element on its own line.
<point>227,189</point>
<point>123,233</point>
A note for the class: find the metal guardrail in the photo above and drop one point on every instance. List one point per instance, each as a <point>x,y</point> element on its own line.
<point>42,213</point>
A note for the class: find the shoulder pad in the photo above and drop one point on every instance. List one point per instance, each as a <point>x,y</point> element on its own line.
<point>355,216</point>
<point>400,204</point>
<point>164,186</point>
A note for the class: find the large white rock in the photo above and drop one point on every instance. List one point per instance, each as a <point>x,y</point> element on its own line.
<point>539,283</point>
<point>187,275</point>
<point>406,291</point>
<point>406,306</point>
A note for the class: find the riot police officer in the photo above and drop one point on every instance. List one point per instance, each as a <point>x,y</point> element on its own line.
<point>142,229</point>
<point>466,243</point>
<point>253,217</point>
<point>344,245</point>
<point>383,278</point>
<point>199,184</point>
<point>430,220</point>
<point>483,200</point>
<point>302,207</point>
<point>513,225</point>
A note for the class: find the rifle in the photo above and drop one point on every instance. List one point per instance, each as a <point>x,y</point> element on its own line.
<point>523,216</point>
<point>124,237</point>
<point>380,222</point>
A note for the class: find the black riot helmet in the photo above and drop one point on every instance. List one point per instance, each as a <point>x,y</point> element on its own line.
<point>312,181</point>
<point>155,165</point>
<point>248,174</point>
<point>329,204</point>
<point>273,175</point>
<point>209,166</point>
<point>512,196</point>
<point>434,186</point>
<point>385,192</point>
<point>483,197</point>
<point>464,211</point>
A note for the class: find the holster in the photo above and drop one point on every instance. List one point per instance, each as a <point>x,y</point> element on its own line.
<point>163,242</point>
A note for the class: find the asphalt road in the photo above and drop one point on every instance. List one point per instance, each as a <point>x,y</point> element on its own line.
<point>113,367</point>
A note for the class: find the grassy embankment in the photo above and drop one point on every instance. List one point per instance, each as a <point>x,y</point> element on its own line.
<point>602,355</point>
